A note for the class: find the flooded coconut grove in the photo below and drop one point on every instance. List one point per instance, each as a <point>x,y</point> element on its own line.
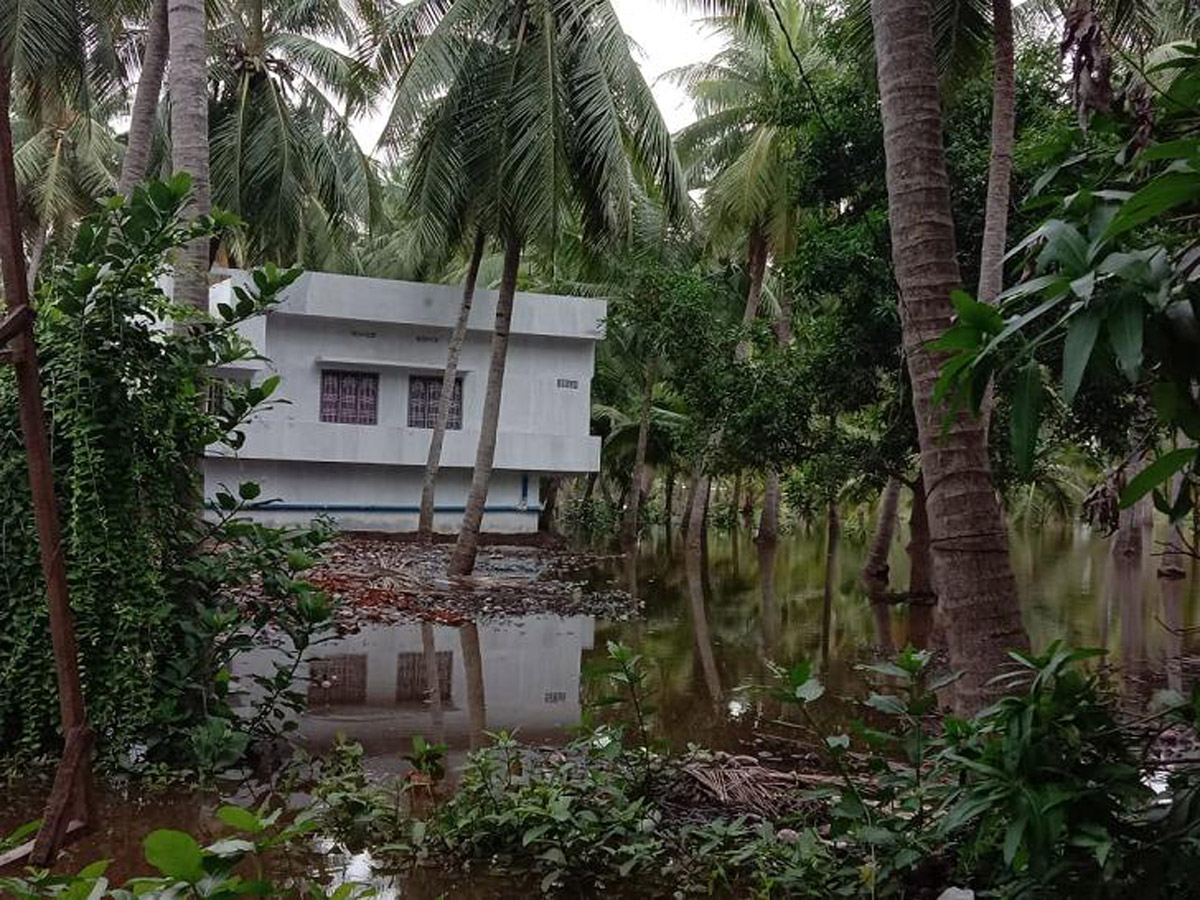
<point>707,630</point>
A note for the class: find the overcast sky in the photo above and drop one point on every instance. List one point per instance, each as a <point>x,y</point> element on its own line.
<point>667,38</point>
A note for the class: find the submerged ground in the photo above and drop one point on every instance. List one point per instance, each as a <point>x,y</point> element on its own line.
<point>703,642</point>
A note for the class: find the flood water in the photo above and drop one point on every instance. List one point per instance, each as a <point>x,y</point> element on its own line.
<point>707,632</point>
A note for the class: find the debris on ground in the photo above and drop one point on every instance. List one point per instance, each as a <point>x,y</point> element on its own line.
<point>386,581</point>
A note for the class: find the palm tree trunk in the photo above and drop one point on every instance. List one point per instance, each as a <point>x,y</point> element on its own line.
<point>699,510</point>
<point>37,253</point>
<point>969,537</point>
<point>832,545</point>
<point>463,560</point>
<point>590,490</point>
<point>689,504</point>
<point>1004,117</point>
<point>445,399</point>
<point>189,137</point>
<point>145,100</point>
<point>629,526</point>
<point>876,571</point>
<point>756,269</point>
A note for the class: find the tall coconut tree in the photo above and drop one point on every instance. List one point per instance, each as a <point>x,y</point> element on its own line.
<point>283,98</point>
<point>143,115</point>
<point>65,162</point>
<point>571,126</point>
<point>969,536</point>
<point>739,155</point>
<point>189,138</point>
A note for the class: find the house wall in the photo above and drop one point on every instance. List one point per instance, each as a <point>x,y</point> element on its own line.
<point>369,476</point>
<point>531,682</point>
<point>375,498</point>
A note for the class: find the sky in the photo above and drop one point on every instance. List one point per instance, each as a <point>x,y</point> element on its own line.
<point>668,38</point>
<point>665,38</point>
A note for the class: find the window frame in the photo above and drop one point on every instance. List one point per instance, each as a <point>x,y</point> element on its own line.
<point>429,396</point>
<point>343,407</point>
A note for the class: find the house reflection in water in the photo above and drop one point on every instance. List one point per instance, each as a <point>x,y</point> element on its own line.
<point>373,687</point>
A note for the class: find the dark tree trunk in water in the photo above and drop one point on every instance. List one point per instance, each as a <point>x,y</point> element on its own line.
<point>669,499</point>
<point>629,525</point>
<point>1172,581</point>
<point>590,490</point>
<point>457,338</point>
<point>694,570</point>
<point>145,100</point>
<point>467,546</point>
<point>549,504</point>
<point>472,653</point>
<point>690,504</point>
<point>977,589</point>
<point>433,681</point>
<point>768,523</point>
<point>875,577</point>
<point>770,618</point>
<point>1130,544</point>
<point>922,597</point>
<point>832,544</point>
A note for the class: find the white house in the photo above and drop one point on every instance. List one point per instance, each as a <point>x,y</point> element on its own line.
<point>361,363</point>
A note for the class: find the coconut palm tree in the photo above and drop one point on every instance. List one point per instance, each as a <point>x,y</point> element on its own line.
<point>189,138</point>
<point>738,154</point>
<point>143,116</point>
<point>566,121</point>
<point>975,581</point>
<point>65,161</point>
<point>283,155</point>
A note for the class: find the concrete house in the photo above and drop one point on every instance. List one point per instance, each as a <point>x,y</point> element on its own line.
<point>361,363</point>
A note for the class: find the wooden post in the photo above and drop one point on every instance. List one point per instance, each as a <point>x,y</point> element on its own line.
<point>73,798</point>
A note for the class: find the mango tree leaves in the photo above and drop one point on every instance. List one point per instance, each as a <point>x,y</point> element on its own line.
<point>1081,338</point>
<point>1026,416</point>
<point>1164,193</point>
<point>1156,474</point>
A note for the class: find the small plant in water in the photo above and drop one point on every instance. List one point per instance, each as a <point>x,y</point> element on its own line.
<point>428,761</point>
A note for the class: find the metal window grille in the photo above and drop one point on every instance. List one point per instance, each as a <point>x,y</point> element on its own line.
<point>349,398</point>
<point>410,676</point>
<point>568,384</point>
<point>424,392</point>
<point>338,679</point>
<point>214,396</point>
<point>553,697</point>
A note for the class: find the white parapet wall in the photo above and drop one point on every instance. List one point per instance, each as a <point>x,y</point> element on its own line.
<point>392,337</point>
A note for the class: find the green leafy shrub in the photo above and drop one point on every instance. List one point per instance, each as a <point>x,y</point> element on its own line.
<point>235,866</point>
<point>157,593</point>
<point>594,521</point>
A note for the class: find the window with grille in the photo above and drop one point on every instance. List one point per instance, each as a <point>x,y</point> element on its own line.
<point>214,396</point>
<point>411,681</point>
<point>568,384</point>
<point>424,391</point>
<point>338,679</point>
<point>350,398</point>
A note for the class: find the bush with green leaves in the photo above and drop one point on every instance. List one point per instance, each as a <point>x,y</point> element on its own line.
<point>244,863</point>
<point>158,594</point>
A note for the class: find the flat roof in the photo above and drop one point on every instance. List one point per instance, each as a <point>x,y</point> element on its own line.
<point>383,301</point>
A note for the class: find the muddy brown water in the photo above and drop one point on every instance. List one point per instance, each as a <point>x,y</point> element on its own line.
<point>705,635</point>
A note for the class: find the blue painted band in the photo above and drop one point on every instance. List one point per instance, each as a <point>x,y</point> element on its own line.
<point>357,508</point>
